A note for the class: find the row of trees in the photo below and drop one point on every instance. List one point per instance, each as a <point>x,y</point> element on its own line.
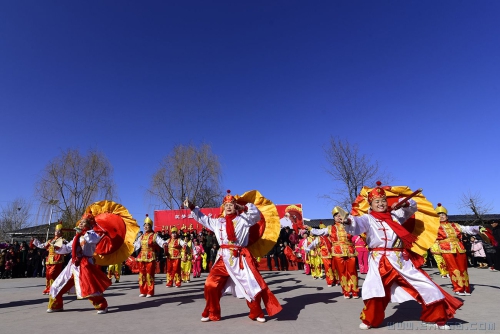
<point>73,181</point>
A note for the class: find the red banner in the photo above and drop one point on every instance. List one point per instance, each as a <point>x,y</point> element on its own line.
<point>166,219</point>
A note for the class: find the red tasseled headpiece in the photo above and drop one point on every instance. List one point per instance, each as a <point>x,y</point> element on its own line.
<point>228,198</point>
<point>377,192</point>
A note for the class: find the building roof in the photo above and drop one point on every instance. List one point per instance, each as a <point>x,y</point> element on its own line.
<point>38,231</point>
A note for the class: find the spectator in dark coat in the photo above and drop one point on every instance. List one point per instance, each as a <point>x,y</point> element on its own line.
<point>271,255</point>
<point>280,251</point>
<point>213,255</point>
<point>496,233</point>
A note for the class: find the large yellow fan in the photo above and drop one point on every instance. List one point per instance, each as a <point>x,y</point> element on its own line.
<point>424,224</point>
<point>120,232</point>
<point>264,234</point>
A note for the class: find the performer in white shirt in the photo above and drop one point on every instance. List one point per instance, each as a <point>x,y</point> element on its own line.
<point>81,272</point>
<point>235,267</point>
<point>392,276</point>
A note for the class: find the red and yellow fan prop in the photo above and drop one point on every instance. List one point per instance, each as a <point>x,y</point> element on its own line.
<point>264,234</point>
<point>423,225</point>
<point>488,237</point>
<point>121,229</point>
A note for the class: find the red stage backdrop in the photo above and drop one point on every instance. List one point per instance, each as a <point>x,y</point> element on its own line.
<point>183,221</point>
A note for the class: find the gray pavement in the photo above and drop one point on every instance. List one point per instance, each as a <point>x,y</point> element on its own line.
<point>308,305</point>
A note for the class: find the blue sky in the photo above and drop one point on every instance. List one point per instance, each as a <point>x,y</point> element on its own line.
<point>415,84</point>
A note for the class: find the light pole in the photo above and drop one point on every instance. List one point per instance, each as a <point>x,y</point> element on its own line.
<point>52,202</point>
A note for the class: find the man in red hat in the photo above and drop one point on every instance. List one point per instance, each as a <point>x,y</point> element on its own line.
<point>392,275</point>
<point>235,267</point>
<point>81,272</point>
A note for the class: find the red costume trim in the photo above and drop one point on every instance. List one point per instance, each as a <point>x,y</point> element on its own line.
<point>271,303</point>
<point>406,237</point>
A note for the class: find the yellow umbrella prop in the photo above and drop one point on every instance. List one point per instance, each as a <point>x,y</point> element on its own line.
<point>121,229</point>
<point>423,225</point>
<point>264,234</point>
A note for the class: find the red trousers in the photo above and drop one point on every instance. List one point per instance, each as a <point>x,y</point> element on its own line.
<point>348,275</point>
<point>374,311</point>
<point>99,302</point>
<point>173,272</point>
<point>331,273</point>
<point>147,277</point>
<point>51,273</point>
<point>456,264</point>
<point>214,286</point>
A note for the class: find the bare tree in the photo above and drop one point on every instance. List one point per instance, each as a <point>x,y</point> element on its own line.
<point>73,181</point>
<point>14,216</point>
<point>188,171</point>
<point>351,170</point>
<point>474,203</point>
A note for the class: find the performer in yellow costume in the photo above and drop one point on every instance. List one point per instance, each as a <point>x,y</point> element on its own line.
<point>186,260</point>
<point>453,251</point>
<point>440,263</point>
<point>314,256</point>
<point>54,262</point>
<point>148,243</point>
<point>115,270</point>
<point>325,250</point>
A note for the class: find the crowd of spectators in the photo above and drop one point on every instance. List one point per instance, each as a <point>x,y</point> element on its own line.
<point>18,260</point>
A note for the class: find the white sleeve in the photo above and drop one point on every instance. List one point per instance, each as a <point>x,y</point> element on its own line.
<point>312,245</point>
<point>471,230</point>
<point>200,218</point>
<point>319,231</point>
<point>252,216</point>
<point>404,213</point>
<point>358,225</point>
<point>137,244</point>
<point>65,248</point>
<point>39,244</point>
<point>159,241</point>
<point>91,237</point>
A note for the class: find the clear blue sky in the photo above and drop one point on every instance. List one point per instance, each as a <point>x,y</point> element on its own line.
<point>416,84</point>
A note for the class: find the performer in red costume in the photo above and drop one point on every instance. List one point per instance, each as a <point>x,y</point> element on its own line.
<point>81,272</point>
<point>148,243</point>
<point>235,267</point>
<point>54,262</point>
<point>394,274</point>
<point>343,254</point>
<point>174,247</point>
<point>324,245</point>
<point>198,252</point>
<point>452,250</point>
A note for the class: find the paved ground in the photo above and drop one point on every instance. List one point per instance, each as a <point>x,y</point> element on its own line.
<point>308,305</point>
